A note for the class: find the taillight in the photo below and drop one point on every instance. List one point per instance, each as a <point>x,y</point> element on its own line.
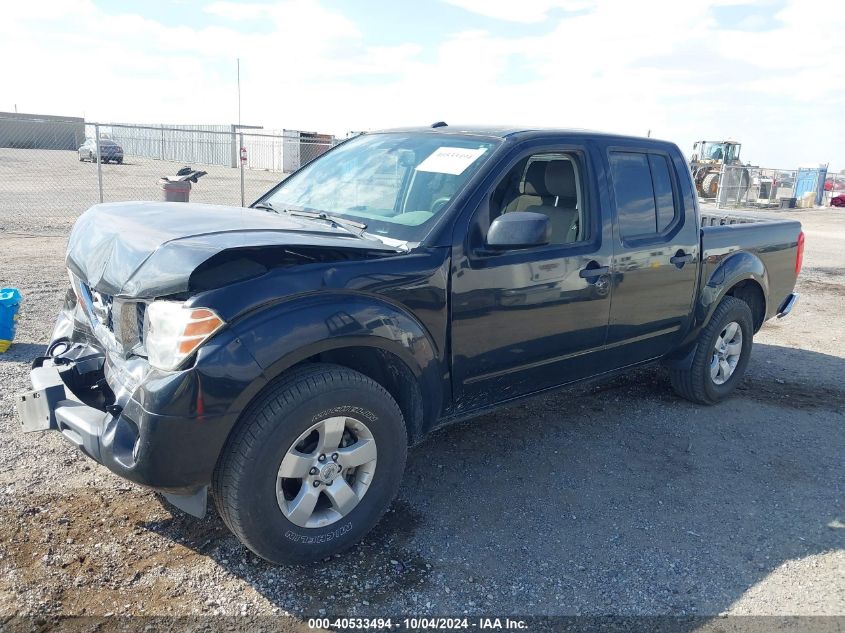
<point>799,256</point>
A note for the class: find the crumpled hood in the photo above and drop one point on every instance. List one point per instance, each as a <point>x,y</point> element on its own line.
<point>150,249</point>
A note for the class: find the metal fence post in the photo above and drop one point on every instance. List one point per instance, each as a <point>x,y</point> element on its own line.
<point>241,161</point>
<point>99,161</point>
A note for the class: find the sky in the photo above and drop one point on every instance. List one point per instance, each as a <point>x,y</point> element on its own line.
<point>769,73</point>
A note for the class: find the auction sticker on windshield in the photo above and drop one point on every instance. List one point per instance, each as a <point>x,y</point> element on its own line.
<point>451,160</point>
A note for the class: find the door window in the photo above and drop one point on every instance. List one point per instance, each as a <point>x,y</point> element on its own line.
<point>645,198</point>
<point>548,183</point>
<point>663,196</point>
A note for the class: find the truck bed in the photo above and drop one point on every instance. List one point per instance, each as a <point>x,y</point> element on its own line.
<point>770,239</point>
<point>721,218</point>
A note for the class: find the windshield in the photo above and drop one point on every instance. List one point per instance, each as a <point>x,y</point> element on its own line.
<point>727,152</point>
<point>715,151</point>
<point>395,183</point>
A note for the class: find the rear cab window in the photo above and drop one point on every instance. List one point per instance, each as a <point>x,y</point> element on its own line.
<point>645,193</point>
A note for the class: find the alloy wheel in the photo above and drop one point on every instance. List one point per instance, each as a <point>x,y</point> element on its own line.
<point>326,472</point>
<point>726,353</point>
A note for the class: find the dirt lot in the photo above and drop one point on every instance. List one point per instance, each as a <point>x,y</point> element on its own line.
<point>650,505</point>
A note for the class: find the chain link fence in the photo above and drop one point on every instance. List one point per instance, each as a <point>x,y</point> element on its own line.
<point>748,187</point>
<point>743,186</point>
<point>51,170</point>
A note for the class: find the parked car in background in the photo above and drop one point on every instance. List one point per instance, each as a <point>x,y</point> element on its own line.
<point>835,183</point>
<point>109,151</point>
<point>838,201</point>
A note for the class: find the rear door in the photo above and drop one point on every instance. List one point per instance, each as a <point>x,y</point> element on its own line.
<point>655,252</point>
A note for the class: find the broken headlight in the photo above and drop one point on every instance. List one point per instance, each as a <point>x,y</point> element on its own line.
<point>172,332</point>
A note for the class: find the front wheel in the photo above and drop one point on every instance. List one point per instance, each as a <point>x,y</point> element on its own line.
<point>312,466</point>
<point>721,356</point>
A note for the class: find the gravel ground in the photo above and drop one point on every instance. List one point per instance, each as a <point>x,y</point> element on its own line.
<point>644,504</point>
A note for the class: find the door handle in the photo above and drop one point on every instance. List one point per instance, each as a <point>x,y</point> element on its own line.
<point>592,273</point>
<point>680,258</point>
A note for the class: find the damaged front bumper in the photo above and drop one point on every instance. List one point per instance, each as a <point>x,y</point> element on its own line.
<point>163,430</point>
<point>113,436</point>
<point>50,405</point>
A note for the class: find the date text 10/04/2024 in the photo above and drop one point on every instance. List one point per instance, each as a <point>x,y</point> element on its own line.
<point>418,623</point>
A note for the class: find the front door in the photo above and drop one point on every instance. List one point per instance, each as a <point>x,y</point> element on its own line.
<point>524,320</point>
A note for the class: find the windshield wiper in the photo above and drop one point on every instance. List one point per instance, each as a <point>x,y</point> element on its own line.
<point>352,226</point>
<point>334,219</point>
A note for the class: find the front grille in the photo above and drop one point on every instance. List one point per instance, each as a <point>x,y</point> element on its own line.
<point>102,307</point>
<point>118,323</point>
<point>140,312</point>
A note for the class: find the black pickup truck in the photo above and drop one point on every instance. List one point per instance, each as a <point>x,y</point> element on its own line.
<point>285,356</point>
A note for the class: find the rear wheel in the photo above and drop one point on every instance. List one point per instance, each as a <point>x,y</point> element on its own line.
<point>721,357</point>
<point>313,465</point>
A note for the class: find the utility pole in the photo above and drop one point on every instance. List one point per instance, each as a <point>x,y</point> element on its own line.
<point>240,137</point>
<point>239,91</point>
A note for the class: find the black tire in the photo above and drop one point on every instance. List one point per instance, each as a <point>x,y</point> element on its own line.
<point>244,483</point>
<point>119,161</point>
<point>710,185</point>
<point>695,384</point>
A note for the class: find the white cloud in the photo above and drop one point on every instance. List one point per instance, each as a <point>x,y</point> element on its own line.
<point>525,11</point>
<point>236,11</point>
<point>619,67</point>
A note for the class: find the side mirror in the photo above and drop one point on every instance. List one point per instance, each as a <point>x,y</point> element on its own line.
<point>519,229</point>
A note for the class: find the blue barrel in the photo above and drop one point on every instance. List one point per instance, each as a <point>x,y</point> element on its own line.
<point>10,301</point>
